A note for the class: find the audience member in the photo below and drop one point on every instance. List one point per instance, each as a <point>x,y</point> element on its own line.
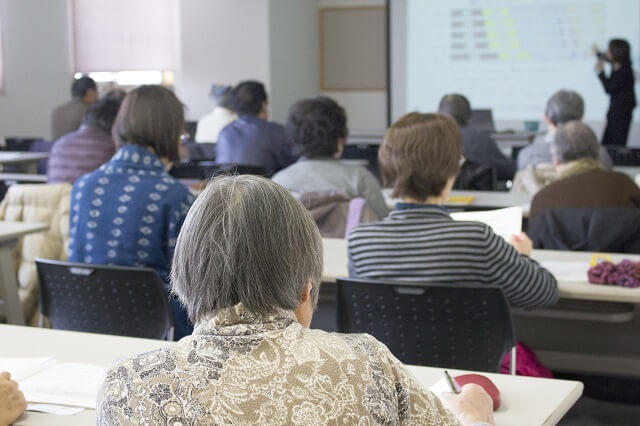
<point>562,107</point>
<point>68,117</point>
<point>210,125</point>
<point>317,129</point>
<point>420,157</point>
<point>582,180</point>
<point>129,211</point>
<point>478,146</point>
<point>251,140</point>
<point>89,147</point>
<point>248,267</point>
<point>12,402</point>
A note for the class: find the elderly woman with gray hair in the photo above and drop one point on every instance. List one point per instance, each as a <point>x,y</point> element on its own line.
<point>247,266</point>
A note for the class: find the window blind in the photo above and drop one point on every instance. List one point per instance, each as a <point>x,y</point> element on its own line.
<point>125,35</point>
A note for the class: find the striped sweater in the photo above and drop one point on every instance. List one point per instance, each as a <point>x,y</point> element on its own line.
<point>424,244</point>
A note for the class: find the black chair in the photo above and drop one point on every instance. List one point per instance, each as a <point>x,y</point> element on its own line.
<point>200,151</point>
<point>19,144</point>
<point>118,300</point>
<point>368,152</point>
<point>241,169</point>
<point>476,177</point>
<point>622,156</point>
<point>438,325</point>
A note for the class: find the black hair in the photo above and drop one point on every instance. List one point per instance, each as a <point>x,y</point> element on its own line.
<point>248,97</point>
<point>620,51</point>
<point>315,125</point>
<point>81,86</point>
<point>103,113</point>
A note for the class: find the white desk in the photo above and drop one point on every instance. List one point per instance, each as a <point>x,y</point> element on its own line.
<point>26,160</point>
<point>10,305</point>
<point>488,200</point>
<point>335,265</point>
<point>23,177</point>
<point>525,400</point>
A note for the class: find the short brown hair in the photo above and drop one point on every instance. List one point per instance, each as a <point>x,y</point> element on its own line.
<point>153,117</point>
<point>420,152</point>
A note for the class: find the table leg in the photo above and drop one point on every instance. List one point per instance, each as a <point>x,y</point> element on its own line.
<point>11,306</point>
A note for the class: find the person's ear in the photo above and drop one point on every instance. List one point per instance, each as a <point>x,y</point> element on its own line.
<point>306,292</point>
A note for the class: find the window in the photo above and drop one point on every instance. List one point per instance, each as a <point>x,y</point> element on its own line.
<point>126,42</point>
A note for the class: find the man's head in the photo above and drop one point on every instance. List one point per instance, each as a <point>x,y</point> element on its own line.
<point>456,106</point>
<point>250,98</point>
<point>574,141</point>
<point>564,106</point>
<point>103,112</point>
<point>85,89</point>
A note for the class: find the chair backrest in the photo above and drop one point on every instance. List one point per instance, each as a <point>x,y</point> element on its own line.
<point>478,177</point>
<point>201,151</point>
<point>623,156</point>
<point>19,143</point>
<point>241,169</point>
<point>441,325</point>
<point>118,300</point>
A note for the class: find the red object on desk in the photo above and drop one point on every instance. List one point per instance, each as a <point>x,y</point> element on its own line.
<point>482,381</point>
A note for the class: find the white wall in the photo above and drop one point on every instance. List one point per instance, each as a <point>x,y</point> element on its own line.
<point>37,65</point>
<point>366,109</point>
<point>222,41</point>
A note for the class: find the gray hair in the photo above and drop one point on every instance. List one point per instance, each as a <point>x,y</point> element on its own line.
<point>246,240</point>
<point>564,106</point>
<point>456,106</point>
<point>575,140</point>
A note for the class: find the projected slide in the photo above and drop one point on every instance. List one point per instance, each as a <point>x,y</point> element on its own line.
<point>511,55</point>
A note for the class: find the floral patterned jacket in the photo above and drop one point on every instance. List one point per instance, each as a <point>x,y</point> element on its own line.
<point>243,368</point>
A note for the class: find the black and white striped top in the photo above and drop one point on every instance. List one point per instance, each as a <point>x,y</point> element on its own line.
<point>424,244</point>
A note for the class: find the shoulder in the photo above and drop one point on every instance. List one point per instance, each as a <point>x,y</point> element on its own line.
<point>173,189</point>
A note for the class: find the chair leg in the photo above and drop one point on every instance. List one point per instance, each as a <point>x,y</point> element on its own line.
<point>513,361</point>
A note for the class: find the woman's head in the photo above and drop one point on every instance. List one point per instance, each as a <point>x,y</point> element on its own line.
<point>317,127</point>
<point>152,117</point>
<point>620,51</point>
<point>420,154</point>
<point>246,239</point>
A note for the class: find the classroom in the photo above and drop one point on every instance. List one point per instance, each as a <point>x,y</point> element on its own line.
<point>316,212</point>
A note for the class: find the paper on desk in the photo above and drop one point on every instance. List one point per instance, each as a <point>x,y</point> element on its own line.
<point>21,368</point>
<point>60,410</point>
<point>66,384</point>
<point>503,222</point>
<point>568,271</point>
<point>440,386</point>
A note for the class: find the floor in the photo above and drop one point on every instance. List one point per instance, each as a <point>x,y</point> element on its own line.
<point>588,411</point>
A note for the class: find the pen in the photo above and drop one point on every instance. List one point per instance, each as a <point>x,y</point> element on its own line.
<point>449,380</point>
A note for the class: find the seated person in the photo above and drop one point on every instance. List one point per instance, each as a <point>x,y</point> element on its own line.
<point>129,211</point>
<point>420,158</point>
<point>251,140</point>
<point>582,182</point>
<point>248,267</point>
<point>317,128</point>
<point>210,125</point>
<point>562,107</point>
<point>67,117</point>
<point>12,402</point>
<point>478,146</point>
<point>89,147</point>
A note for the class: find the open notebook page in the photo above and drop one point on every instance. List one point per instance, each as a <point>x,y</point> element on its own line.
<point>504,222</point>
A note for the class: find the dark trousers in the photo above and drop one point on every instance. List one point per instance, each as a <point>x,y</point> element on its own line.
<point>617,129</point>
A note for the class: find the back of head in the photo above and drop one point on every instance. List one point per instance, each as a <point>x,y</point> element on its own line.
<point>456,106</point>
<point>221,94</point>
<point>314,126</point>
<point>81,86</point>
<point>419,154</point>
<point>620,51</point>
<point>574,141</point>
<point>103,112</point>
<point>564,106</point>
<point>246,240</point>
<point>248,97</point>
<point>153,117</point>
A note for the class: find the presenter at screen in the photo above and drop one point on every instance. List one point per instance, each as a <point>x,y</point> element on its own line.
<point>619,86</point>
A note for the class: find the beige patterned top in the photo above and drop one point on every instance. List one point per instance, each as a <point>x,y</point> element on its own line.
<point>243,368</point>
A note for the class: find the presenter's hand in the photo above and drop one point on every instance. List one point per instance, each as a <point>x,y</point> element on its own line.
<point>12,402</point>
<point>522,243</point>
<point>600,65</point>
<point>471,406</point>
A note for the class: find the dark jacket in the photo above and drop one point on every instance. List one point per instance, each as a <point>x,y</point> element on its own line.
<point>595,188</point>
<point>78,153</point>
<point>480,148</point>
<point>620,87</point>
<point>602,229</point>
<point>251,141</point>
